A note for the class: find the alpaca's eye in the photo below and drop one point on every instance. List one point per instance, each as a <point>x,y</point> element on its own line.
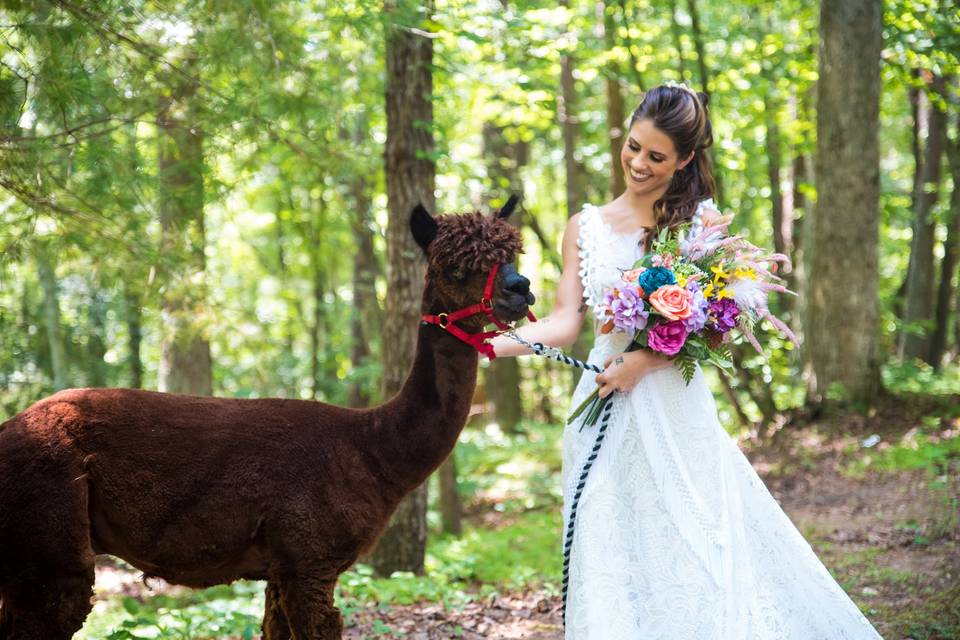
<point>459,273</point>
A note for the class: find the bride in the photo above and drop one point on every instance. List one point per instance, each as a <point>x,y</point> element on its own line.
<point>676,537</point>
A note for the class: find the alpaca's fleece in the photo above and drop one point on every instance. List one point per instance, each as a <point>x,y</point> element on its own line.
<point>474,241</point>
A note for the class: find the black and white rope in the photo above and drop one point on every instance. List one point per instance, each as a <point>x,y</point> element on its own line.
<point>553,353</point>
<point>556,354</point>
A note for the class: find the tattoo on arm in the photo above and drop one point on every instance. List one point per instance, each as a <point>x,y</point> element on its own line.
<point>619,360</point>
<point>583,308</point>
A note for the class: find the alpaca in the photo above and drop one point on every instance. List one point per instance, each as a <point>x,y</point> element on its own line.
<point>202,491</point>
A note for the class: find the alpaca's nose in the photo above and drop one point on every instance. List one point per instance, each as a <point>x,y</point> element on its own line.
<point>517,284</point>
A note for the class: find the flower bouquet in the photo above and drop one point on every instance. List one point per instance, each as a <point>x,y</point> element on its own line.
<point>690,295</point>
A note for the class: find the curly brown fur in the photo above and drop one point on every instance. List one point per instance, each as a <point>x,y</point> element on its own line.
<point>474,241</point>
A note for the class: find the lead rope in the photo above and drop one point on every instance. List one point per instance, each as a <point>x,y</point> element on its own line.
<point>558,355</point>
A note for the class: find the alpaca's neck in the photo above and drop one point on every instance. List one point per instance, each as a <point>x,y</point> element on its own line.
<point>418,428</point>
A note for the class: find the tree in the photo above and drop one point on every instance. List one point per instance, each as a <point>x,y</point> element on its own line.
<point>844,265</point>
<point>410,175</point>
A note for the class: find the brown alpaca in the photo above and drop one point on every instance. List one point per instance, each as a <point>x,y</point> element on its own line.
<point>202,491</point>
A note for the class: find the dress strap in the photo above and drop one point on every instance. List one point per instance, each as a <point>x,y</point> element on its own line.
<point>587,243</point>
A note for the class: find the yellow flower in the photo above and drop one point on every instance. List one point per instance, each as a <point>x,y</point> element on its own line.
<point>719,273</point>
<point>745,272</point>
<point>682,281</point>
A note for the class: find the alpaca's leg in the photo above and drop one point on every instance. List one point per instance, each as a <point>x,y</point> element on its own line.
<point>51,608</point>
<point>308,602</point>
<point>275,625</point>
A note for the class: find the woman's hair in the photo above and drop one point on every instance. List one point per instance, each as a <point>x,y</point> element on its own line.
<point>681,114</point>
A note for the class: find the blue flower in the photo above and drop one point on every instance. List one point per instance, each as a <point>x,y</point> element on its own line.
<point>654,278</point>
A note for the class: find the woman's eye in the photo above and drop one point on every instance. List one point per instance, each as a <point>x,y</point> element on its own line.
<point>656,159</point>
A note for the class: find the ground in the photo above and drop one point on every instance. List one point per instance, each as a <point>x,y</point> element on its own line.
<point>891,538</point>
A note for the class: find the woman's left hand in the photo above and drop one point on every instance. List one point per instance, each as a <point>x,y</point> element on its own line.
<point>622,372</point>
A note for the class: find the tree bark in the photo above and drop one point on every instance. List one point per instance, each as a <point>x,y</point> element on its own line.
<point>951,254</point>
<point>185,364</point>
<point>616,111</point>
<point>134,319</point>
<point>51,316</point>
<point>918,302</point>
<point>502,376</point>
<point>366,315</point>
<point>842,323</point>
<point>410,174</point>
<point>451,510</point>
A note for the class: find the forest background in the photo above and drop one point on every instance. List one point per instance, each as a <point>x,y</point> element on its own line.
<point>211,197</point>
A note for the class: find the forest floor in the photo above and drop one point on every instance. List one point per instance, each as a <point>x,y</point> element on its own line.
<point>891,536</point>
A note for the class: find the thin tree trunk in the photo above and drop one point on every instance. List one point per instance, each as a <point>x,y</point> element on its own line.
<point>502,377</point>
<point>134,319</point>
<point>51,316</point>
<point>410,173</point>
<point>96,346</point>
<point>677,40</point>
<point>616,111</point>
<point>185,364</point>
<point>951,253</point>
<point>842,324</point>
<point>451,511</point>
<point>918,304</point>
<point>698,43</point>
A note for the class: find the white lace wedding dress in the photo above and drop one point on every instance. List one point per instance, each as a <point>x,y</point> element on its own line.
<point>676,537</point>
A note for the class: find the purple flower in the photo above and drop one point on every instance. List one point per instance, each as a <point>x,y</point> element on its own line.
<point>699,307</point>
<point>723,315</point>
<point>667,337</point>
<point>628,309</point>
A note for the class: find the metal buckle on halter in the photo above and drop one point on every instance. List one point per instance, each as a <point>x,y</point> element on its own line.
<point>442,319</point>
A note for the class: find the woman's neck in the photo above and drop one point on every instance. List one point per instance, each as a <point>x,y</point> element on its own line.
<point>636,209</point>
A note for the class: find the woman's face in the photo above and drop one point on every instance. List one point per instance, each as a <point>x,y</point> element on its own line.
<point>649,159</point>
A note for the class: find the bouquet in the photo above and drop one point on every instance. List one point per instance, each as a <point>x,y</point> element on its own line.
<point>689,296</point>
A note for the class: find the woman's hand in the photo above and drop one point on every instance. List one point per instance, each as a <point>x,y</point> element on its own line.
<point>623,371</point>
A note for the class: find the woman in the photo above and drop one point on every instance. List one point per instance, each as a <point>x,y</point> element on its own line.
<point>676,537</point>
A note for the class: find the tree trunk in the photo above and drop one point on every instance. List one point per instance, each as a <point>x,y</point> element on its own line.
<point>451,511</point>
<point>502,377</point>
<point>616,111</point>
<point>842,323</point>
<point>951,253</point>
<point>698,43</point>
<point>918,302</point>
<point>410,173</point>
<point>575,191</point>
<point>366,316</point>
<point>96,345</point>
<point>134,319</point>
<point>51,316</point>
<point>677,40</point>
<point>185,364</point>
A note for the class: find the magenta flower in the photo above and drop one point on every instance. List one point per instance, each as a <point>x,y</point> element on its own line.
<point>667,337</point>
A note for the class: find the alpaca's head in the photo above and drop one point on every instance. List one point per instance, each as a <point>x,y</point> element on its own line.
<point>461,250</point>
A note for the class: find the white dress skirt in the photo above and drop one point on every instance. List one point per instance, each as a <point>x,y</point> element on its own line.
<point>676,537</point>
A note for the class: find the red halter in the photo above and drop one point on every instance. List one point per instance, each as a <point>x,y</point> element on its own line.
<point>476,340</point>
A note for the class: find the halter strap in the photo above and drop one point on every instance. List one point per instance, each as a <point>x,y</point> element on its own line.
<point>476,340</point>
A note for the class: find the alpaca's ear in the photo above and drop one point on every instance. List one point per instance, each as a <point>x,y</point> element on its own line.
<point>422,226</point>
<point>508,208</point>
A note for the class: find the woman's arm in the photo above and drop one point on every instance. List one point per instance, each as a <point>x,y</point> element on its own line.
<point>562,326</point>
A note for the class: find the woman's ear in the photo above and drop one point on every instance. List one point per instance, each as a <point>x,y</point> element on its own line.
<point>686,161</point>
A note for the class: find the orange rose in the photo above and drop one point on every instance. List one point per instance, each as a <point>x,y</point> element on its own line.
<point>672,301</point>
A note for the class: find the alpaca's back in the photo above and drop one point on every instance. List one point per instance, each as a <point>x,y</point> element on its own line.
<point>184,487</point>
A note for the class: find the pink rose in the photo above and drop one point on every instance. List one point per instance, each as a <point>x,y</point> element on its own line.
<point>673,301</point>
<point>667,337</point>
<point>632,274</point>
